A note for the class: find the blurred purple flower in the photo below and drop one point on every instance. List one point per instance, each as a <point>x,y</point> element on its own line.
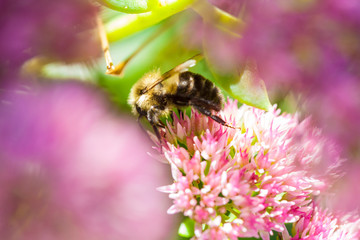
<point>311,47</point>
<point>307,43</point>
<point>59,30</point>
<point>71,169</point>
<point>345,194</point>
<point>249,181</point>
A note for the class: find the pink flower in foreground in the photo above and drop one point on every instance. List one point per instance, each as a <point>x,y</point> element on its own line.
<point>247,181</point>
<point>346,194</point>
<point>71,169</point>
<point>321,225</point>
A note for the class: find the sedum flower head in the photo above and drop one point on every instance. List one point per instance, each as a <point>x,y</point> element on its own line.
<point>247,181</point>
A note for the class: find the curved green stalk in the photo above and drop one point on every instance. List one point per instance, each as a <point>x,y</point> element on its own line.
<point>219,18</point>
<point>130,6</point>
<point>126,25</point>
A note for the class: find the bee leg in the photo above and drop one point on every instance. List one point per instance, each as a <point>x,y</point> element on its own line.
<point>214,117</point>
<point>181,114</point>
<point>157,133</point>
<point>205,104</point>
<point>155,128</point>
<point>152,117</point>
<point>138,120</point>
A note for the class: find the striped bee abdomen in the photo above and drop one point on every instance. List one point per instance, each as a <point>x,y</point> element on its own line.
<point>198,89</point>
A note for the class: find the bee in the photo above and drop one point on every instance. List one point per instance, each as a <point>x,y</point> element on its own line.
<point>155,95</point>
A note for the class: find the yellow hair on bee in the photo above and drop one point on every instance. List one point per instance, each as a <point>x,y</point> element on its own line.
<point>142,83</point>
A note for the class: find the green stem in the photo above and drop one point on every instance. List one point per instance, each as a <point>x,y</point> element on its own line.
<point>218,17</point>
<point>126,25</point>
<point>231,209</point>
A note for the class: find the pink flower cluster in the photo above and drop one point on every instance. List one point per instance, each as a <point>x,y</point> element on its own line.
<point>248,181</point>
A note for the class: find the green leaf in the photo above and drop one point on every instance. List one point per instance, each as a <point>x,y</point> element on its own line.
<point>130,6</point>
<point>187,228</point>
<point>275,236</point>
<point>246,88</point>
<point>291,229</point>
<point>250,89</point>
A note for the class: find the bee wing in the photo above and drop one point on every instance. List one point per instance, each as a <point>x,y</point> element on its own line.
<point>178,69</point>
